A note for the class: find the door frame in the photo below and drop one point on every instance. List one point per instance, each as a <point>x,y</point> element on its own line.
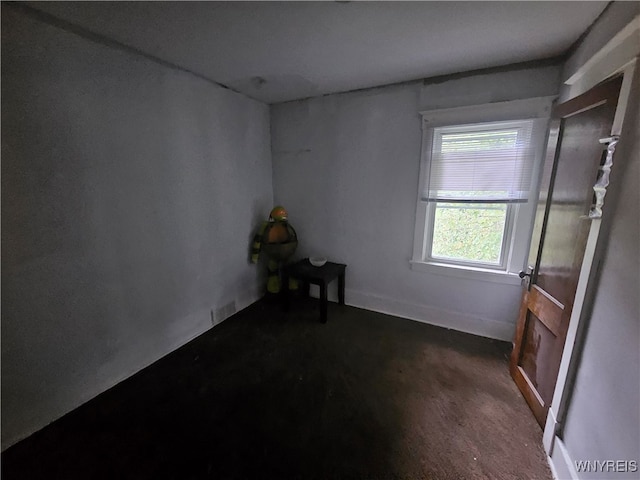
<point>618,56</point>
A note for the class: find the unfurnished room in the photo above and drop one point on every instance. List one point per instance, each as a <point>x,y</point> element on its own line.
<point>320,240</point>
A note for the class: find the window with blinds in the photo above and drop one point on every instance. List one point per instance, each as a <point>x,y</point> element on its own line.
<point>481,163</point>
<point>477,176</point>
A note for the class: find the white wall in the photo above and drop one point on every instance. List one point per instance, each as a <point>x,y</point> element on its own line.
<point>346,167</point>
<point>130,192</point>
<point>603,421</point>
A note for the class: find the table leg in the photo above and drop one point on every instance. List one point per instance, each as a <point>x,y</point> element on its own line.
<point>323,302</point>
<point>284,290</point>
<point>341,289</point>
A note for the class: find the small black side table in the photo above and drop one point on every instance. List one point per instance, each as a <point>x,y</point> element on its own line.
<point>321,276</point>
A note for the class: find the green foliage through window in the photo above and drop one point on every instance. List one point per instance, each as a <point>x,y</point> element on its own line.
<point>469,232</point>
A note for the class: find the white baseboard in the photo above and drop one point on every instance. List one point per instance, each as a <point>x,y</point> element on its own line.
<point>552,467</point>
<point>249,298</point>
<point>462,322</point>
<point>560,462</point>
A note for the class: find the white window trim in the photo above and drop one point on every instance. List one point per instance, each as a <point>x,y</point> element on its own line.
<point>520,216</point>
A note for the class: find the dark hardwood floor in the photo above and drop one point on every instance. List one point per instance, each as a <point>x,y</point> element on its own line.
<point>273,395</point>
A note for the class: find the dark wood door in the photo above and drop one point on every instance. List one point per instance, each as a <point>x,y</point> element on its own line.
<point>574,155</point>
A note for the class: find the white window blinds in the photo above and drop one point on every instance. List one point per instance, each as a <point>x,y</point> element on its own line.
<point>481,163</point>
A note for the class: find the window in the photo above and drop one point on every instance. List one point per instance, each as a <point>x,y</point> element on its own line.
<point>474,209</point>
<point>477,176</point>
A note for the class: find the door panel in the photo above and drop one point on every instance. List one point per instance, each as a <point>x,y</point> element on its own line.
<point>567,232</point>
<point>546,308</point>
<point>535,357</point>
<point>561,228</point>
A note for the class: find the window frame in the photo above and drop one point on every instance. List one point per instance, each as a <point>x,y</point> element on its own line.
<point>520,216</point>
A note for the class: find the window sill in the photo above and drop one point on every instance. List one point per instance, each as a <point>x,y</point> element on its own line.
<point>467,272</point>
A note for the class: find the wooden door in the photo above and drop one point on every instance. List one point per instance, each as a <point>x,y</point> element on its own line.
<point>574,155</point>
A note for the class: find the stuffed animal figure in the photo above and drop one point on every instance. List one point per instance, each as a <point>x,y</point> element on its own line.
<point>278,240</point>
